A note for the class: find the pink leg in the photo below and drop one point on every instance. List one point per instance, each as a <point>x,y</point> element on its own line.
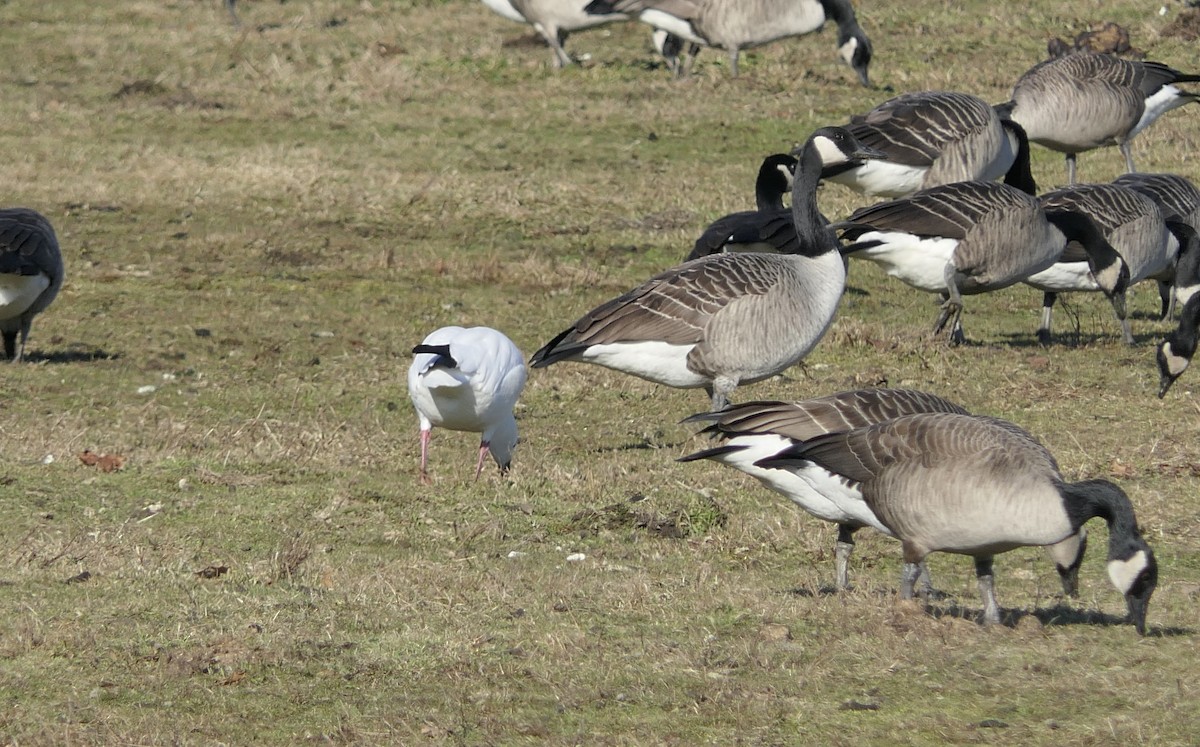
<point>483,452</point>
<point>425,455</point>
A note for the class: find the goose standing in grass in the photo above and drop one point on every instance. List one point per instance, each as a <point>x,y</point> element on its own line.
<point>31,274</point>
<point>775,177</point>
<point>757,430</point>
<point>734,25</point>
<point>727,319</point>
<point>1132,223</point>
<point>973,237</point>
<point>1179,200</point>
<point>1176,352</point>
<point>944,482</point>
<point>1080,102</point>
<point>468,379</point>
<point>553,20</point>
<point>932,138</point>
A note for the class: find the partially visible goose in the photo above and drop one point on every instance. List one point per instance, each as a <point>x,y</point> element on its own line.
<point>1132,223</point>
<point>1083,101</point>
<point>932,138</point>
<point>727,319</point>
<point>553,20</point>
<point>972,237</point>
<point>468,379</point>
<point>1179,200</point>
<point>775,177</point>
<point>758,430</point>
<point>1176,352</point>
<point>734,25</point>
<point>31,274</point>
<point>975,486</point>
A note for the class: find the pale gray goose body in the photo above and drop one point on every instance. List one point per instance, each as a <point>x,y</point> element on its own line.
<point>1080,102</point>
<point>553,20</point>
<point>726,319</point>
<point>31,274</point>
<point>774,180</point>
<point>734,25</point>
<point>972,237</point>
<point>932,138</point>
<point>946,482</point>
<point>1179,200</point>
<point>1135,227</point>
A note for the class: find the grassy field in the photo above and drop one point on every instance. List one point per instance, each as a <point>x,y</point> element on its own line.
<point>258,226</point>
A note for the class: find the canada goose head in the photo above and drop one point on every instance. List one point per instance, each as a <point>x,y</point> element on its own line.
<point>1108,269</point>
<point>855,50</point>
<point>1135,574</point>
<point>835,145</point>
<point>777,172</point>
<point>1174,357</point>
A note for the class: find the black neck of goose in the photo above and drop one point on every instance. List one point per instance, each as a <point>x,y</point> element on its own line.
<point>769,188</point>
<point>1103,260</point>
<point>814,235</point>
<point>1101,498</point>
<point>841,13</point>
<point>1183,337</point>
<point>1019,174</point>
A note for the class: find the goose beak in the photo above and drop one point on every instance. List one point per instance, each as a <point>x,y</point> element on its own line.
<point>867,153</point>
<point>1165,381</point>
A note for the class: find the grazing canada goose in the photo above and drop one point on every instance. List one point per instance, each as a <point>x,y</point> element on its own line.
<point>553,20</point>
<point>468,380</point>
<point>775,177</point>
<point>972,237</point>
<point>1083,101</point>
<point>31,274</point>
<point>1175,353</point>
<point>1132,224</point>
<point>726,319</point>
<point>944,482</point>
<point>756,430</point>
<point>932,138</point>
<point>1179,200</point>
<point>734,25</point>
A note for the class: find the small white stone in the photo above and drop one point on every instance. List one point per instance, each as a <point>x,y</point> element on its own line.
<point>168,376</point>
<point>516,554</point>
<point>148,389</point>
<point>184,484</point>
<point>48,459</point>
<point>576,557</point>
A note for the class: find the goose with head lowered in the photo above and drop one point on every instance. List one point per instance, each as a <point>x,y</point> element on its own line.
<point>726,319</point>
<point>553,20</point>
<point>31,274</point>
<point>775,177</point>
<point>734,25</point>
<point>1179,201</point>
<point>932,138</point>
<point>944,482</point>
<point>756,430</point>
<point>973,237</point>
<point>1080,102</point>
<point>1175,353</point>
<point>468,379</point>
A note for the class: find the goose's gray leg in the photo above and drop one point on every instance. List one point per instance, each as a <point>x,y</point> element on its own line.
<point>987,590</point>
<point>842,552</point>
<point>925,581</point>
<point>555,38</point>
<point>1070,169</point>
<point>1128,153</point>
<point>908,579</point>
<point>1067,556</point>
<point>233,16</point>
<point>733,62</point>
<point>951,307</point>
<point>1043,333</point>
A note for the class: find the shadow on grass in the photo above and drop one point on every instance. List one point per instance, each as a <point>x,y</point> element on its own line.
<point>1059,614</point>
<point>73,355</point>
<point>644,444</point>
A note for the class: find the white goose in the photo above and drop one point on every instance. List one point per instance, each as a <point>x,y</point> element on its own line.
<point>468,379</point>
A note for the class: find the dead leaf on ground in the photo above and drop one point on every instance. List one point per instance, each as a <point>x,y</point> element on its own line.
<point>234,678</point>
<point>212,571</point>
<point>104,462</point>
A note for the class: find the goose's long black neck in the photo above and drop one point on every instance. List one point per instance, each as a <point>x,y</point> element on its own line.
<point>1079,227</point>
<point>1100,498</point>
<point>841,13</point>
<point>1019,174</point>
<point>815,236</point>
<point>767,194</point>
<point>1183,337</point>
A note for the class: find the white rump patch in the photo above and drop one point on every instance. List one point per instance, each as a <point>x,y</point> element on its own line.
<point>672,25</point>
<point>1157,104</point>
<point>914,261</point>
<point>1124,572</point>
<point>18,292</point>
<point>651,360</point>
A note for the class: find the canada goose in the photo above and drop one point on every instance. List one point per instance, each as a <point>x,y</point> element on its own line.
<point>1179,200</point>
<point>932,138</point>
<point>726,319</point>
<point>468,380</point>
<point>1083,101</point>
<point>553,20</point>
<point>972,237</point>
<point>756,430</point>
<point>1175,353</point>
<point>31,274</point>
<point>944,482</point>
<point>775,177</point>
<point>1132,224</point>
<point>734,25</point>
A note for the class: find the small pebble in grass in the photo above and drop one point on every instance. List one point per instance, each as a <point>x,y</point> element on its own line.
<point>48,459</point>
<point>202,332</point>
<point>322,333</point>
<point>516,554</point>
<point>576,557</point>
<point>147,389</point>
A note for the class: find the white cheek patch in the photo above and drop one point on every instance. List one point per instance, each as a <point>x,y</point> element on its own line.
<point>831,154</point>
<point>1108,278</point>
<point>1176,364</point>
<point>787,175</point>
<point>847,51</point>
<point>1124,572</point>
